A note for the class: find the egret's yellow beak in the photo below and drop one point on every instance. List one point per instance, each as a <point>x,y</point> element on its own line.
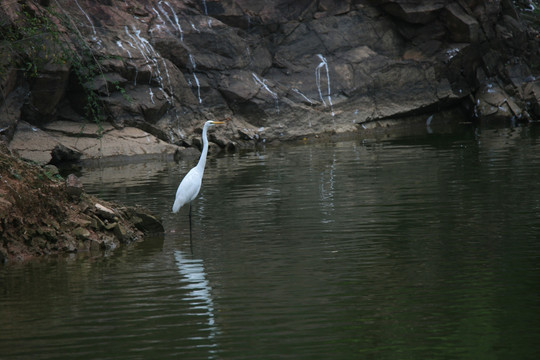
<point>218,122</point>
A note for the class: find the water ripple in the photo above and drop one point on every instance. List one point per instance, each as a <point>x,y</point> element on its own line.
<point>405,249</point>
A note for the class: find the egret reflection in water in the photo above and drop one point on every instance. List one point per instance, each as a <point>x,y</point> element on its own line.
<point>199,294</point>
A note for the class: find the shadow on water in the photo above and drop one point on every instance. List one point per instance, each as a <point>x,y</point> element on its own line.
<point>415,247</point>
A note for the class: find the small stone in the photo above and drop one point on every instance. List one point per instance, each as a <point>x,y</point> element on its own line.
<point>105,212</point>
<point>74,186</point>
<point>70,248</point>
<point>120,232</point>
<point>81,233</point>
<point>110,226</point>
<point>97,223</point>
<point>109,243</point>
<point>94,245</point>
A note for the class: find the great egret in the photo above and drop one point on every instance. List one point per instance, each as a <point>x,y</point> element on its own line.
<point>191,184</point>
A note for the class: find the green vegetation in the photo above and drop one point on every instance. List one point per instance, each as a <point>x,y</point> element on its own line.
<point>42,36</point>
<point>122,91</point>
<point>26,41</point>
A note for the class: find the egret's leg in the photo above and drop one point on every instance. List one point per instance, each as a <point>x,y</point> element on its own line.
<point>190,220</point>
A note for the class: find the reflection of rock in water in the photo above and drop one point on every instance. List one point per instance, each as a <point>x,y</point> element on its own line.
<point>199,294</point>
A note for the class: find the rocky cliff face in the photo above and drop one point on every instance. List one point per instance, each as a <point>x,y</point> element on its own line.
<point>280,69</point>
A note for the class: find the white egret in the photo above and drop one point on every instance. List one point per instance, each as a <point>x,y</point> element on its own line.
<point>191,184</point>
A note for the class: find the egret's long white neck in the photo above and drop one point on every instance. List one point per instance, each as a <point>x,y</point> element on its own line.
<point>202,160</point>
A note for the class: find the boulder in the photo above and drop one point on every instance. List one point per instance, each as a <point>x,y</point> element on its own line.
<point>463,27</point>
<point>144,221</point>
<point>531,93</point>
<point>493,104</point>
<point>62,154</point>
<point>416,12</point>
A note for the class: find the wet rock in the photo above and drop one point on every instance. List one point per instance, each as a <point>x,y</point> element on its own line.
<point>463,27</point>
<point>70,247</point>
<point>110,226</point>
<point>146,222</point>
<point>414,12</point>
<point>105,212</point>
<point>213,148</point>
<point>61,154</point>
<point>333,7</point>
<point>519,74</point>
<point>190,153</point>
<point>81,233</point>
<point>84,141</point>
<point>237,87</point>
<point>494,104</point>
<point>109,243</point>
<point>251,133</point>
<point>97,223</point>
<point>120,232</point>
<point>532,95</point>
<point>3,255</point>
<point>94,246</point>
<point>83,221</point>
<point>46,92</point>
<point>105,84</point>
<point>294,67</point>
<point>32,143</point>
<point>74,186</point>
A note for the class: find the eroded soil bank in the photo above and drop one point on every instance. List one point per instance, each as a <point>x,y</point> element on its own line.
<point>44,214</point>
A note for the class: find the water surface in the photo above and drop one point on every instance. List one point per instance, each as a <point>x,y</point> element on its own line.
<point>414,248</point>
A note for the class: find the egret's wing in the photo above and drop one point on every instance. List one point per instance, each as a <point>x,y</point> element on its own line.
<point>188,189</point>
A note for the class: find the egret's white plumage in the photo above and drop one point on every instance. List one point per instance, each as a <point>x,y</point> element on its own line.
<point>188,189</point>
<point>191,184</point>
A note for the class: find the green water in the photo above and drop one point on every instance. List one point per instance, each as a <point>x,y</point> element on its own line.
<point>417,248</point>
